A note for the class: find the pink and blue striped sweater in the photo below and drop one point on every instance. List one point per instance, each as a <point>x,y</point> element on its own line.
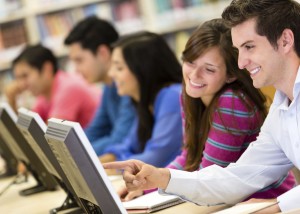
<point>223,147</point>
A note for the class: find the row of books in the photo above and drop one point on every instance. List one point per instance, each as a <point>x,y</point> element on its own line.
<point>12,34</point>
<point>163,16</point>
<point>53,27</point>
<point>125,14</point>
<point>168,12</point>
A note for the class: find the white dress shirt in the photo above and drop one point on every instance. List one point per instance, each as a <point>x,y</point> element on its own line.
<point>272,155</point>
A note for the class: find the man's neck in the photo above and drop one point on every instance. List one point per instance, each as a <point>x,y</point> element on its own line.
<point>287,85</point>
<point>49,88</point>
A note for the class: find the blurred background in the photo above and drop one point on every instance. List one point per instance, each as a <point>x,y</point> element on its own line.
<point>48,22</point>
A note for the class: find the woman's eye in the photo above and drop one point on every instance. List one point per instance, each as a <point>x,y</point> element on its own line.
<point>189,63</point>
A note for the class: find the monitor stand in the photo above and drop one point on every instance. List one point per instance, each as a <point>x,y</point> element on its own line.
<point>33,190</point>
<point>40,187</point>
<point>89,207</point>
<point>69,206</point>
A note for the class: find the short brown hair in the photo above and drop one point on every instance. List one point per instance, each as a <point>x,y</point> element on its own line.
<point>272,17</point>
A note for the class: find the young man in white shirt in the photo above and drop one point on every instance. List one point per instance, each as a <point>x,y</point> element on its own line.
<point>267,36</point>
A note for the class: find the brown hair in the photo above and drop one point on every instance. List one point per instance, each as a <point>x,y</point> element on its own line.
<point>272,17</point>
<point>214,33</point>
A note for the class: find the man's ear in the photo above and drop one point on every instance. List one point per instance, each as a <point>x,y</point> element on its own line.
<point>286,41</point>
<point>47,69</point>
<point>103,51</point>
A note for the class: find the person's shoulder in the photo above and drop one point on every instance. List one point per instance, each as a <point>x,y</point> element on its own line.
<point>40,101</point>
<point>169,98</point>
<point>72,81</point>
<point>233,99</point>
<point>170,90</point>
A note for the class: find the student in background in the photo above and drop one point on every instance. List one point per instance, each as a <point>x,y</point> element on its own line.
<point>223,112</point>
<point>266,33</point>
<point>90,49</point>
<point>59,94</point>
<point>145,68</point>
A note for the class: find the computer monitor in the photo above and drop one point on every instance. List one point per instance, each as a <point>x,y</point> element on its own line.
<point>82,167</point>
<point>33,129</point>
<point>13,138</point>
<point>11,161</point>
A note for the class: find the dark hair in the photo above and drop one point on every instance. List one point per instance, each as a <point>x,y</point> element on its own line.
<point>36,56</point>
<point>92,32</point>
<point>155,66</point>
<point>272,17</point>
<point>211,34</point>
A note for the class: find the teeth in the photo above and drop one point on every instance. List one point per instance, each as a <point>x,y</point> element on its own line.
<point>254,71</point>
<point>195,84</point>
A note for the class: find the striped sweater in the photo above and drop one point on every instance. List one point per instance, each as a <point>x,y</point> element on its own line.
<point>223,147</point>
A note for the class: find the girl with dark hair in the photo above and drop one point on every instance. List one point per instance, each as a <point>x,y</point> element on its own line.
<point>145,68</point>
<point>223,111</point>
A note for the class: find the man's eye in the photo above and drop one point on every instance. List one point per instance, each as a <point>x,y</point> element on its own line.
<point>249,47</point>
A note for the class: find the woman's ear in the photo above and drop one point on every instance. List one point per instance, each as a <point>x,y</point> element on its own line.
<point>230,79</point>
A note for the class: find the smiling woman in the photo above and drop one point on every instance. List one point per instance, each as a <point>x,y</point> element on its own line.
<point>205,76</point>
<point>145,69</point>
<point>126,82</point>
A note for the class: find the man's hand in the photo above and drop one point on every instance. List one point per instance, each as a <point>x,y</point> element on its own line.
<point>140,176</point>
<point>272,209</point>
<point>127,196</point>
<point>108,158</point>
<point>11,92</point>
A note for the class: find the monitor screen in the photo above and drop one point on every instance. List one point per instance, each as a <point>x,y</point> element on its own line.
<point>82,166</point>
<point>14,139</point>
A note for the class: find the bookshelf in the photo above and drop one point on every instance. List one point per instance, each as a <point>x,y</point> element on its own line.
<point>48,21</point>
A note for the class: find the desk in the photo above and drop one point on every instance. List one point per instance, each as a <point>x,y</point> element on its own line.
<point>190,208</point>
<point>11,202</point>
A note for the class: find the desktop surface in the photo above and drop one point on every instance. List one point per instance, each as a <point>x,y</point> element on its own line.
<point>11,202</point>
